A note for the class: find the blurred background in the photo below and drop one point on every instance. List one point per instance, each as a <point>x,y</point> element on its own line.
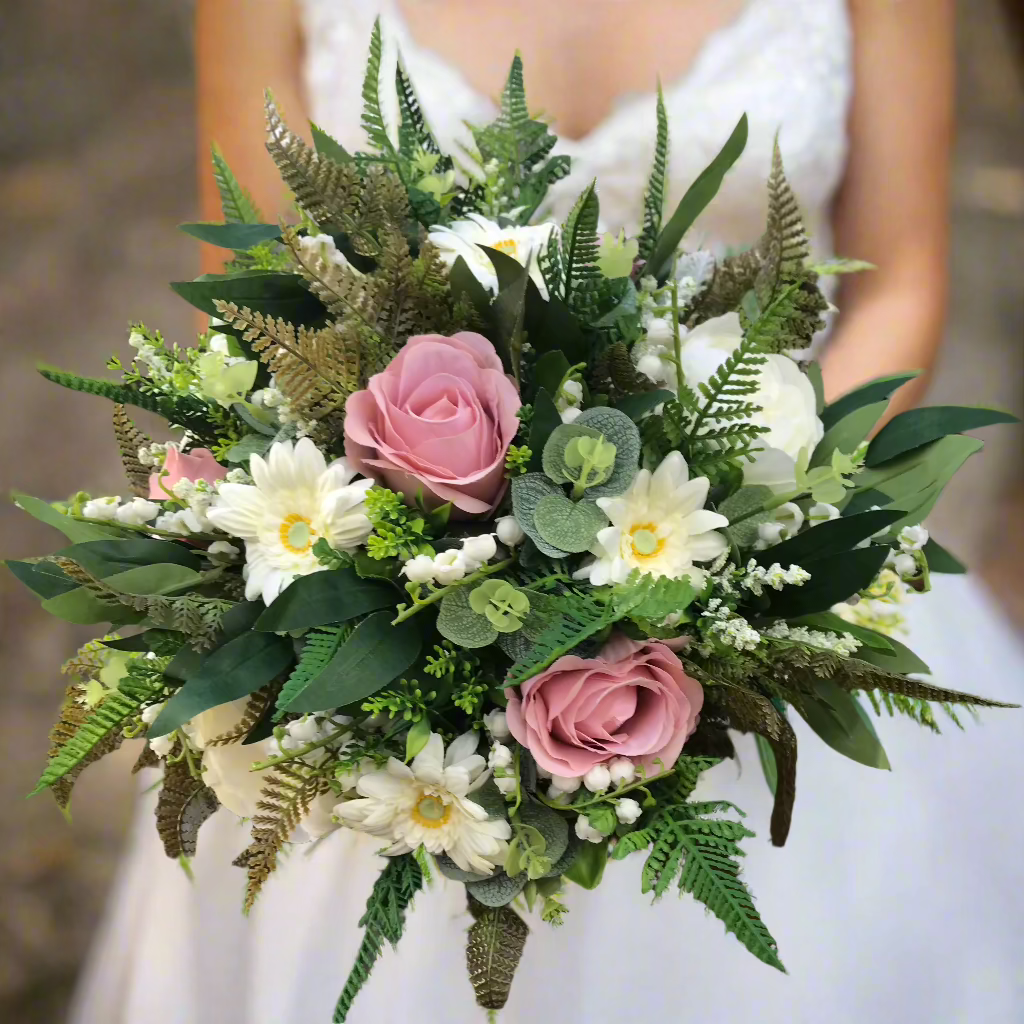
<point>97,167</point>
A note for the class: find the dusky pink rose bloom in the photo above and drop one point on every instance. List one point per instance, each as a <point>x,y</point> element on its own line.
<point>633,700</point>
<point>440,418</point>
<point>198,464</point>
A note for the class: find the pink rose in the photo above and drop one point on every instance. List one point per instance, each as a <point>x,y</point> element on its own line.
<point>633,700</point>
<point>440,418</point>
<point>199,464</point>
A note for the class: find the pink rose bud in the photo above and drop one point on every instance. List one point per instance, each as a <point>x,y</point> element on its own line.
<point>633,700</point>
<point>198,464</point>
<point>439,419</point>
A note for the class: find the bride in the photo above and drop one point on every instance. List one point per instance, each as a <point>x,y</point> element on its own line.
<point>898,897</point>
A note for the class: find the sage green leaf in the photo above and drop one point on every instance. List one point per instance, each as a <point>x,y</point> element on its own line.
<point>849,433</point>
<point>527,492</point>
<point>916,427</point>
<point>553,459</point>
<point>841,266</point>
<point>497,891</point>
<point>281,296</point>
<point>907,479</point>
<point>568,525</point>
<point>42,578</point>
<point>618,428</point>
<point>920,505</point>
<point>459,623</point>
<point>84,608</point>
<point>867,394</point>
<point>451,870</point>
<point>697,197</point>
<point>75,531</point>
<point>639,405</point>
<point>833,579</point>
<point>838,718</point>
<point>252,444</point>
<point>745,511</point>
<point>587,869</point>
<point>940,560</point>
<point>233,236</point>
<point>242,666</point>
<point>550,824</point>
<point>103,558</point>
<point>152,579</point>
<point>374,655</point>
<point>829,538</point>
<point>334,595</point>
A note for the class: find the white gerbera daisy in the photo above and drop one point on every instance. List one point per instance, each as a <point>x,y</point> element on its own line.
<point>294,500</point>
<point>426,804</point>
<point>659,526</point>
<point>464,238</point>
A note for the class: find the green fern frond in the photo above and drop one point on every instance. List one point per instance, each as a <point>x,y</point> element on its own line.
<point>654,194</point>
<point>919,710</point>
<point>580,246</point>
<point>784,247</point>
<point>320,646</point>
<point>383,921</point>
<point>235,201</point>
<point>414,132</point>
<point>373,117</point>
<point>99,729</point>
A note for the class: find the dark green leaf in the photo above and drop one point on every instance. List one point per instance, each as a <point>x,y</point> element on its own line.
<point>75,531</point>
<point>588,867</point>
<point>693,203</point>
<point>833,579</point>
<point>375,654</point>
<point>240,667</point>
<point>233,236</point>
<point>335,595</point>
<point>940,560</point>
<point>550,371</point>
<point>328,146</point>
<point>42,578</point>
<point>464,284</point>
<point>152,579</point>
<point>552,325</point>
<point>899,658</point>
<point>868,394</point>
<point>278,295</point>
<point>916,427</point>
<point>849,433</point>
<point>818,383</point>
<point>638,405</point>
<point>838,718</point>
<point>545,419</point>
<point>829,538</point>
<point>103,558</point>
<point>147,640</point>
<point>509,313</point>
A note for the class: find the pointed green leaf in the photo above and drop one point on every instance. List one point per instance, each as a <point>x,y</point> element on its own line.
<point>281,296</point>
<point>916,427</point>
<point>587,869</point>
<point>75,531</point>
<point>834,578</point>
<point>333,595</point>
<point>867,394</point>
<point>233,236</point>
<point>829,538</point>
<point>838,718</point>
<point>103,558</point>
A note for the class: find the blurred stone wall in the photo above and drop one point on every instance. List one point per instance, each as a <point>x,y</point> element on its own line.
<point>96,168</point>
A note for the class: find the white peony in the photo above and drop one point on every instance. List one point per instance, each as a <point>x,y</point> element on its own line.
<point>659,526</point>
<point>295,499</point>
<point>785,394</point>
<point>464,238</point>
<point>427,804</point>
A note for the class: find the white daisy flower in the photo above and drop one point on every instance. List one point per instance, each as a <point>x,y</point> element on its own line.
<point>659,526</point>
<point>464,238</point>
<point>426,804</point>
<point>294,500</point>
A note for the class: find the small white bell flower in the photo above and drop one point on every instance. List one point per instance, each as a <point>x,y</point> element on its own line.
<point>622,771</point>
<point>586,831</point>
<point>477,551</point>
<point>821,512</point>
<point>912,538</point>
<point>496,724</point>
<point>598,779</point>
<point>101,508</point>
<point>419,569</point>
<point>506,784</point>
<point>510,533</point>
<point>627,810</point>
<point>571,414</point>
<point>137,512</point>
<point>565,783</point>
<point>499,757</point>
<point>449,567</point>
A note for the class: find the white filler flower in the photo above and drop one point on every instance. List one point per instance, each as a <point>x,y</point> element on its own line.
<point>464,238</point>
<point>659,526</point>
<point>294,500</point>
<point>427,804</point>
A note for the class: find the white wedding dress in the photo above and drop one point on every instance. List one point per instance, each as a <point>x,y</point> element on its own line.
<point>898,898</point>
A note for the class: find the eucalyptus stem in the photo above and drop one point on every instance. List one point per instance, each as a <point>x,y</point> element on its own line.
<point>418,605</point>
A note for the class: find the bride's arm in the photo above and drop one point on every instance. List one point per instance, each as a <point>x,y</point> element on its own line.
<point>242,48</point>
<point>893,205</point>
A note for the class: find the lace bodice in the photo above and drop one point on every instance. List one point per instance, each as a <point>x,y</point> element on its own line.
<point>787,63</point>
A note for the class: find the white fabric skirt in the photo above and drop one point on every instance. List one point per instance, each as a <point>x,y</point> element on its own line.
<point>898,899</point>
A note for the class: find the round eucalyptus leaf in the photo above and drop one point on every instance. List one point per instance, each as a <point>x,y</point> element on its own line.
<point>527,491</point>
<point>553,459</point>
<point>550,824</point>
<point>622,432</point>
<point>497,891</point>
<point>460,624</point>
<point>569,525</point>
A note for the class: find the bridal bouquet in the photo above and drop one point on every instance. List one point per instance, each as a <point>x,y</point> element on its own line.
<point>480,534</point>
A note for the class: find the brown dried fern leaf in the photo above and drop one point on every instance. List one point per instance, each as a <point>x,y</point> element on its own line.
<point>286,798</point>
<point>183,805</point>
<point>129,440</point>
<point>494,948</point>
<point>859,675</point>
<point>615,375</point>
<point>751,712</point>
<point>148,758</point>
<point>257,706</point>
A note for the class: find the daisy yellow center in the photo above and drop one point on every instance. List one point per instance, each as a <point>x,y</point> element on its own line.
<point>297,534</point>
<point>508,246</point>
<point>431,812</point>
<point>645,541</point>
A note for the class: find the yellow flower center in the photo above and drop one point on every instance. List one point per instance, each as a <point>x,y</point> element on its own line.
<point>645,541</point>
<point>431,812</point>
<point>508,246</point>
<point>297,534</point>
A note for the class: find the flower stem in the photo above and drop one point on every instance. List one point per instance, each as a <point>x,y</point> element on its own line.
<point>259,766</point>
<point>418,605</point>
<point>677,344</point>
<point>145,529</point>
<point>601,798</point>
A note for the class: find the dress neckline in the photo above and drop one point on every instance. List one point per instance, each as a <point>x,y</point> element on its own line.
<point>705,60</point>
